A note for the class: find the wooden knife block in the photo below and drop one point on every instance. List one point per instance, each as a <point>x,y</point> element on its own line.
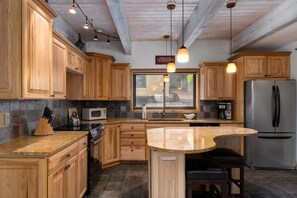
<point>43,128</point>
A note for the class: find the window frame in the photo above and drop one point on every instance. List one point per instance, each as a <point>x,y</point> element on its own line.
<point>196,72</point>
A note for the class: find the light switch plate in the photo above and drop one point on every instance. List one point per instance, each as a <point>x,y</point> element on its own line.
<point>2,120</point>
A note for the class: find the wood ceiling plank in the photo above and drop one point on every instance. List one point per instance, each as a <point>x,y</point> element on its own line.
<point>119,16</point>
<point>282,16</point>
<point>202,14</point>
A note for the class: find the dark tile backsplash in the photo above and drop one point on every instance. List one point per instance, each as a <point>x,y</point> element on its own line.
<point>25,114</point>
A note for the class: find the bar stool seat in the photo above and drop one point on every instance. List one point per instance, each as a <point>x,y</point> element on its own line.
<point>206,172</point>
<point>229,159</point>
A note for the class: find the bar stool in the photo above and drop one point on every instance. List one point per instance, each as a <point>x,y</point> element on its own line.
<point>229,159</point>
<point>206,172</point>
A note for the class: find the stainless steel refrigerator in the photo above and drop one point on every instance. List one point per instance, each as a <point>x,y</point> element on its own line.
<point>270,108</point>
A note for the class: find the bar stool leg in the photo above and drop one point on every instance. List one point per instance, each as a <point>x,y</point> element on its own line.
<point>242,182</point>
<point>224,190</point>
<point>189,189</point>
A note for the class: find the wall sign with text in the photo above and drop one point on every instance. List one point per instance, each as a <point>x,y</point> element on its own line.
<point>163,60</point>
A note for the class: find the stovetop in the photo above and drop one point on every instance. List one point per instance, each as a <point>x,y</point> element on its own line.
<point>81,127</point>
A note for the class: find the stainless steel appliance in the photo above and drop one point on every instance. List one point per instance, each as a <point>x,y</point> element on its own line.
<point>95,135</point>
<point>270,108</point>
<point>93,113</point>
<point>225,110</point>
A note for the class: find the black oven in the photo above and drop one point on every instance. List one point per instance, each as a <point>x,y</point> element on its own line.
<point>95,135</point>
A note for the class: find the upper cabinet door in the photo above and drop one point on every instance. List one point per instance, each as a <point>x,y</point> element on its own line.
<point>59,69</point>
<point>212,82</point>
<point>102,69</point>
<point>10,49</point>
<point>255,66</point>
<point>278,66</point>
<point>229,86</point>
<point>37,64</point>
<point>120,82</point>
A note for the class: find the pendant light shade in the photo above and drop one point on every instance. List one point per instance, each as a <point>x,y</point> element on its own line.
<point>171,67</point>
<point>166,78</point>
<point>231,68</point>
<point>183,55</point>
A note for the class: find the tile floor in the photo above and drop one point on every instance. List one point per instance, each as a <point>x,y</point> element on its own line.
<point>130,181</point>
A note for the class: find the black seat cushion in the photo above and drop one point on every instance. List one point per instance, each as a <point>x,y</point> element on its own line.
<point>204,169</point>
<point>224,155</point>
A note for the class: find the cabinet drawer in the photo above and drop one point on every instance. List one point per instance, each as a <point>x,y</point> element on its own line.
<point>82,143</point>
<point>132,152</point>
<point>127,135</point>
<point>62,157</point>
<point>132,142</point>
<point>132,127</point>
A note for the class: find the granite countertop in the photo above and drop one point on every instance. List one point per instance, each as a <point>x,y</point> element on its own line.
<point>190,139</point>
<point>160,121</point>
<point>39,146</point>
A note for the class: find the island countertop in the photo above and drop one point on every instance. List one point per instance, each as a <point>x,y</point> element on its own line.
<point>190,139</point>
<point>39,146</point>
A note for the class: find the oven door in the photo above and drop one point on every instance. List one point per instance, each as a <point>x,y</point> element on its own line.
<point>95,155</point>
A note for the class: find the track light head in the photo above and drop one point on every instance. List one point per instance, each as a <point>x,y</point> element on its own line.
<point>95,37</point>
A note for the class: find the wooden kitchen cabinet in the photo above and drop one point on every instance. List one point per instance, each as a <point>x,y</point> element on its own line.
<point>38,174</point>
<point>120,81</point>
<point>261,65</point>
<point>59,67</point>
<point>37,68</point>
<point>26,52</point>
<point>11,38</point>
<point>133,142</point>
<point>82,166</point>
<point>215,83</point>
<point>110,145</point>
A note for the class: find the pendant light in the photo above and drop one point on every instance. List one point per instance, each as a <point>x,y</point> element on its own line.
<point>166,78</point>
<point>231,67</point>
<point>86,25</point>
<point>183,53</point>
<point>171,65</point>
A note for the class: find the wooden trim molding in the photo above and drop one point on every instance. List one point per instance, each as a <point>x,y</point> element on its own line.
<point>259,54</point>
<point>101,55</point>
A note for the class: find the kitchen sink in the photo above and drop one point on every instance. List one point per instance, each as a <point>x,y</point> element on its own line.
<point>165,119</point>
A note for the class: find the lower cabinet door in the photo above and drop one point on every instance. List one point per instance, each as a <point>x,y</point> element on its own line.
<point>71,178</point>
<point>82,165</point>
<point>56,183</point>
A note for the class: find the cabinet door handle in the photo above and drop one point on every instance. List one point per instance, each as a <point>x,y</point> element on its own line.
<point>85,143</point>
<point>132,135</point>
<point>132,142</point>
<point>131,150</point>
<point>52,95</point>
<point>66,167</point>
<point>76,68</point>
<point>132,128</point>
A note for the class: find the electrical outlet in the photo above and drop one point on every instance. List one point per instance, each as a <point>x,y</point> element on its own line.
<point>6,119</point>
<point>123,108</point>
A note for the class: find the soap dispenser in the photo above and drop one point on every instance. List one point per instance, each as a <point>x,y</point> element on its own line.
<point>143,111</point>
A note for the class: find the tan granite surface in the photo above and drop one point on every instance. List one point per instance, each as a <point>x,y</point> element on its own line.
<point>158,121</point>
<point>39,146</point>
<point>190,139</point>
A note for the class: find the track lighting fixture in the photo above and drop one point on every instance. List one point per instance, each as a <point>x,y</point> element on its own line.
<point>86,25</point>
<point>95,37</point>
<point>72,10</point>
<point>89,23</point>
<point>108,41</point>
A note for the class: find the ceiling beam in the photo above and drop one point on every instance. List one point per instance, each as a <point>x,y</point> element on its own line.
<point>203,13</point>
<point>282,16</point>
<point>119,16</point>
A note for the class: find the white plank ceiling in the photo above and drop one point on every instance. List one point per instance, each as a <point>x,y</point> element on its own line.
<point>149,19</point>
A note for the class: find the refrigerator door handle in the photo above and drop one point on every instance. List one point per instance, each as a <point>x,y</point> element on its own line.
<point>274,106</point>
<point>278,106</point>
<point>274,137</point>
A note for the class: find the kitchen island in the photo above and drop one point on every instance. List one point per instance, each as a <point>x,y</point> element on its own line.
<point>167,149</point>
